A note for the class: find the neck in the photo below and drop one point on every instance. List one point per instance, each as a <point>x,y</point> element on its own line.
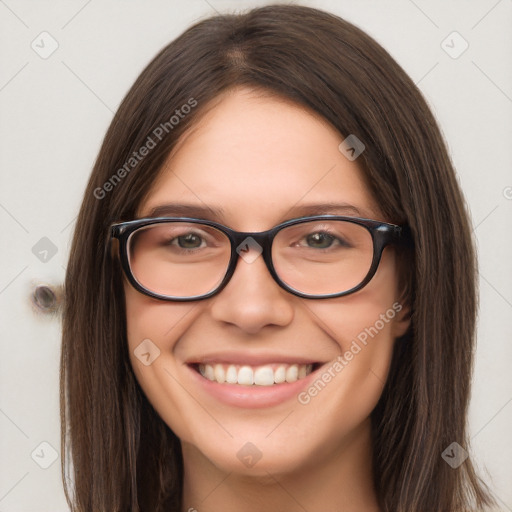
<point>337,480</point>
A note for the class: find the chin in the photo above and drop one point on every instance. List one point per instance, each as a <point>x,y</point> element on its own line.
<point>254,454</point>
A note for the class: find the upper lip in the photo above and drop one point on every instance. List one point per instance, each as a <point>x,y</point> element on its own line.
<point>241,358</point>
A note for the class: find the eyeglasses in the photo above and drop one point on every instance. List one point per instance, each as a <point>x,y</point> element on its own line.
<point>186,259</point>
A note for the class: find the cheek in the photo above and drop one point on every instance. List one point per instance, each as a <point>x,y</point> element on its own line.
<point>362,327</point>
<point>153,330</point>
<point>160,321</point>
<point>370,313</point>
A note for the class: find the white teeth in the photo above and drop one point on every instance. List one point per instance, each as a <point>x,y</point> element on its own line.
<point>264,376</point>
<point>245,376</point>
<point>292,373</point>
<point>280,375</point>
<point>260,376</point>
<point>218,371</point>
<point>208,372</point>
<point>231,375</point>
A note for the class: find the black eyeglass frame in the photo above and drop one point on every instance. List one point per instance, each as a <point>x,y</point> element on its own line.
<point>382,233</point>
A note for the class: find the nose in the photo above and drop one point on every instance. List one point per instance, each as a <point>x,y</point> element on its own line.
<point>252,299</point>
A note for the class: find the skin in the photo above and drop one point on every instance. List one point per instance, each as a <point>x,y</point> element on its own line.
<point>256,156</point>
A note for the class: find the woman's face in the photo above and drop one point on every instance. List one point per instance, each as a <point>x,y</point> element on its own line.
<point>261,161</point>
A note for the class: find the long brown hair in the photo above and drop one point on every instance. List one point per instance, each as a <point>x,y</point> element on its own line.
<point>124,457</point>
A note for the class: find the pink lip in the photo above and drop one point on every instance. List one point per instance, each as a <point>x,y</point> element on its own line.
<point>248,359</point>
<point>251,397</point>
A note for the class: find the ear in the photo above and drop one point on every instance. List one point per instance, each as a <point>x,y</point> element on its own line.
<point>403,305</point>
<point>402,320</point>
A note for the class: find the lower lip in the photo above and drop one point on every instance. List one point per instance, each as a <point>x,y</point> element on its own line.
<point>252,397</point>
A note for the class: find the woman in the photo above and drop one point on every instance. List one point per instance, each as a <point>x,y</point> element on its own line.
<point>270,299</point>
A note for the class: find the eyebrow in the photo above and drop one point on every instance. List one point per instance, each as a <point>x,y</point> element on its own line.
<point>217,213</point>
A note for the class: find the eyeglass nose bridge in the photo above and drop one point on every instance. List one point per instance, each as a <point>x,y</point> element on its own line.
<point>249,246</point>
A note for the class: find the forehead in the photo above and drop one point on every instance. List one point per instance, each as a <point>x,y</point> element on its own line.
<point>252,158</point>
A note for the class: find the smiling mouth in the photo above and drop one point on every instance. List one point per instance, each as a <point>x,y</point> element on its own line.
<point>246,375</point>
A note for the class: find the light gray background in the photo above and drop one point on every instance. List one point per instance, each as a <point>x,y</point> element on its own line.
<point>55,111</point>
